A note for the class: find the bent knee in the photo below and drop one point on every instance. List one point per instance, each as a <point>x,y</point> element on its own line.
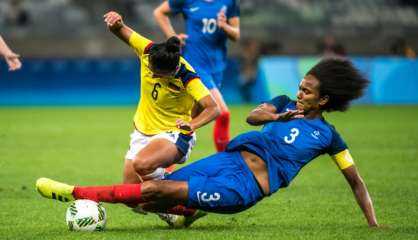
<point>143,166</point>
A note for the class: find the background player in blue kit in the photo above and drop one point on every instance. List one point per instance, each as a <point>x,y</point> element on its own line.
<point>255,164</point>
<point>209,24</point>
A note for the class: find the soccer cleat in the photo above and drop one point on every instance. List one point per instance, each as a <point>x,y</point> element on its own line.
<point>55,190</point>
<point>179,221</point>
<point>173,220</point>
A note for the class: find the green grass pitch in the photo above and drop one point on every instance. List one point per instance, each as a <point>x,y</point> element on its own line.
<point>86,146</point>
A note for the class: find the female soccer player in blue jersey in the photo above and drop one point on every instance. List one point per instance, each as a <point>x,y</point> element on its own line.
<point>209,23</point>
<point>257,163</point>
<point>164,128</point>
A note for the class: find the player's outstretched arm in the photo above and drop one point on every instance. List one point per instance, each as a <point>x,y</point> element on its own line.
<point>361,194</point>
<point>161,15</point>
<point>115,24</point>
<point>266,112</point>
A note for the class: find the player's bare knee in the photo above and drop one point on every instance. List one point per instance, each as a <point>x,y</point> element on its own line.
<point>143,166</point>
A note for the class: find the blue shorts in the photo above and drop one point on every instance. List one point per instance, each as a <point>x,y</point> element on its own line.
<point>210,80</point>
<point>220,183</point>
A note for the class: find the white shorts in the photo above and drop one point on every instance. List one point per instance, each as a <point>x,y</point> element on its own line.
<point>184,143</point>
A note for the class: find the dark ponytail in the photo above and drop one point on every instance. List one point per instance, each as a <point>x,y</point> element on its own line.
<point>165,56</point>
<point>173,45</point>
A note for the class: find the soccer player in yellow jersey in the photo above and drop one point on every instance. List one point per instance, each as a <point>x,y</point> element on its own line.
<point>170,89</point>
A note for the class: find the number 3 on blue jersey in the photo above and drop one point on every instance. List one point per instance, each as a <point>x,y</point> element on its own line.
<point>294,132</point>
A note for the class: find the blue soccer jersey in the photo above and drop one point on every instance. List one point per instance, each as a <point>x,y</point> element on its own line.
<point>288,146</point>
<point>206,45</point>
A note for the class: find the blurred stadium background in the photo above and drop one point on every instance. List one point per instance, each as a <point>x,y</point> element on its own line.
<point>69,57</point>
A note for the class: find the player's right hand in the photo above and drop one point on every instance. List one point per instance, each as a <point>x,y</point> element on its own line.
<point>113,20</point>
<point>182,38</point>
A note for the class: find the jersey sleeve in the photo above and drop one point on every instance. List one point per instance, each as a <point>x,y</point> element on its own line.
<point>337,143</point>
<point>191,81</point>
<point>139,43</point>
<point>343,159</point>
<point>233,10</point>
<point>176,6</point>
<point>338,151</point>
<point>279,102</point>
<point>196,89</point>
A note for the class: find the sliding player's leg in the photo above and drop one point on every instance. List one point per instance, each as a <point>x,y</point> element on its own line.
<point>167,193</point>
<point>221,183</point>
<point>151,195</point>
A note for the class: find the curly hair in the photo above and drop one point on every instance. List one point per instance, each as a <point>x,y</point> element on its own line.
<point>340,80</point>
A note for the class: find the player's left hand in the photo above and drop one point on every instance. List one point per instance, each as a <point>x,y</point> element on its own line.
<point>180,123</point>
<point>222,21</point>
<point>13,61</point>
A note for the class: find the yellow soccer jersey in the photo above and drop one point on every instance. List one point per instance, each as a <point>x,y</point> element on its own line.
<point>164,99</point>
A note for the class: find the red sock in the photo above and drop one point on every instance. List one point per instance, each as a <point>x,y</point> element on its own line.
<point>221,131</point>
<point>182,210</point>
<point>124,193</point>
